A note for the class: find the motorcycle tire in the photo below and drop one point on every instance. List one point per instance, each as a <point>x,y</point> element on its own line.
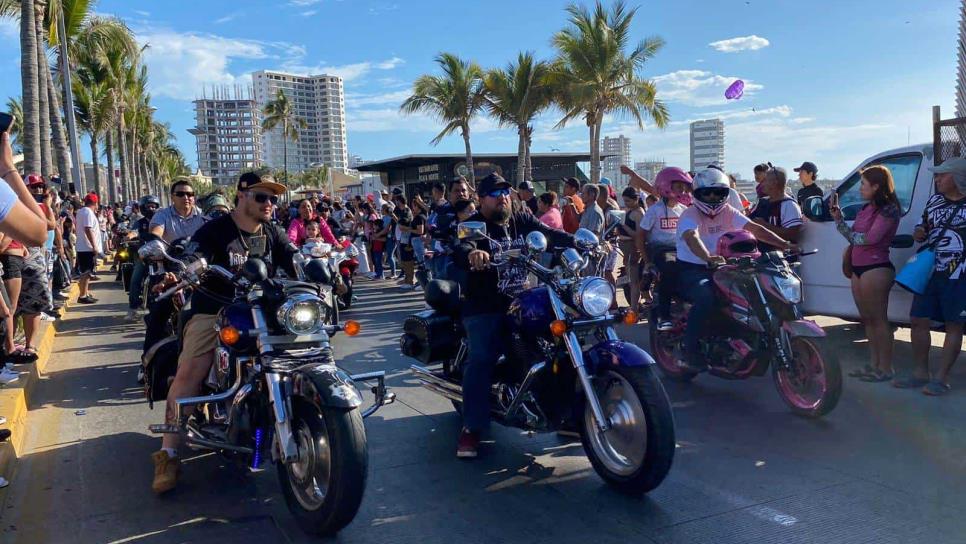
<point>345,470</point>
<point>665,359</point>
<point>831,375</point>
<point>651,404</point>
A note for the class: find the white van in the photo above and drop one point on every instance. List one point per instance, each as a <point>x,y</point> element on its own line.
<point>827,291</point>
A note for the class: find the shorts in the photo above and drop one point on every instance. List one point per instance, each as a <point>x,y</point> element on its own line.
<point>862,269</point>
<point>34,291</point>
<point>944,300</point>
<point>85,262</point>
<point>198,338</point>
<point>12,266</point>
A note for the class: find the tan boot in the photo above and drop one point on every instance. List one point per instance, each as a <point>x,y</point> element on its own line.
<point>166,469</point>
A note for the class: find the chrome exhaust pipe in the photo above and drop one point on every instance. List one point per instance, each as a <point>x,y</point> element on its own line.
<point>436,384</point>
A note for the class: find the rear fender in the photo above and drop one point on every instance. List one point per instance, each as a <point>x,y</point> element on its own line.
<point>803,327</point>
<point>326,385</point>
<point>615,353</point>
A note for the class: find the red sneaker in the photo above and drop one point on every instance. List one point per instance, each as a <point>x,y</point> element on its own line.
<point>468,445</point>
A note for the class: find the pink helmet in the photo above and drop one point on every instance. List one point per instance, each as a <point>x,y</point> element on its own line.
<point>665,180</point>
<point>738,243</point>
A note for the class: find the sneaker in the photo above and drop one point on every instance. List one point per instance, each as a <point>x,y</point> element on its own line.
<point>468,445</point>
<point>44,316</point>
<point>166,469</point>
<point>132,315</point>
<point>86,300</point>
<point>95,277</point>
<point>60,296</point>
<point>3,420</point>
<point>405,287</point>
<point>5,435</point>
<point>3,482</point>
<point>664,326</point>
<point>8,376</point>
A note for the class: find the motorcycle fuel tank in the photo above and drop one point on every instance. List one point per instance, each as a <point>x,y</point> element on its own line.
<point>531,312</point>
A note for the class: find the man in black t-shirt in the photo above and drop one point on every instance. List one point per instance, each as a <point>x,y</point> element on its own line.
<point>228,242</point>
<point>807,174</point>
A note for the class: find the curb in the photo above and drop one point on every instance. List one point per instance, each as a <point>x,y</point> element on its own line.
<point>13,398</point>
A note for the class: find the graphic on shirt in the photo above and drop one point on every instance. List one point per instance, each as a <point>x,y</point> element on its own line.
<point>668,223</point>
<point>237,254</point>
<point>948,242</point>
<point>511,279</point>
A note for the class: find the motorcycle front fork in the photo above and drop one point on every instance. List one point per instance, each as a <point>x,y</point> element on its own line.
<point>286,447</point>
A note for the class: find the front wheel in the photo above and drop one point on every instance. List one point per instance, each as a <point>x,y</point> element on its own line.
<point>635,454</point>
<point>323,488</point>
<point>812,383</point>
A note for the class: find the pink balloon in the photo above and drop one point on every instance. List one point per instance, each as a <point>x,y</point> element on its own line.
<point>735,90</point>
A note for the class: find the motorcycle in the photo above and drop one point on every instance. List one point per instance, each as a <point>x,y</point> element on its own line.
<point>333,270</point>
<point>347,268</point>
<point>564,364</point>
<point>275,392</point>
<point>759,324</point>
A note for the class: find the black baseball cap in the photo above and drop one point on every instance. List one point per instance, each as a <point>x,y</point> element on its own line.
<point>490,183</point>
<point>525,186</point>
<point>808,167</point>
<point>251,180</point>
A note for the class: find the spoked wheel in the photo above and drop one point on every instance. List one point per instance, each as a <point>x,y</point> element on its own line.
<point>666,350</point>
<point>812,384</point>
<point>323,487</point>
<point>635,454</point>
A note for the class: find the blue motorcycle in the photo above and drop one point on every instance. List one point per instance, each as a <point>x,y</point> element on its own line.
<point>565,366</point>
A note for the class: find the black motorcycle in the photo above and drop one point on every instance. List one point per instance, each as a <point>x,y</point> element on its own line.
<point>565,365</point>
<point>275,393</point>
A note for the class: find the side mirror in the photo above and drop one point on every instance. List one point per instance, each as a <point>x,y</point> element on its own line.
<point>471,230</point>
<point>572,260</point>
<point>254,270</point>
<point>536,242</point>
<point>585,240</point>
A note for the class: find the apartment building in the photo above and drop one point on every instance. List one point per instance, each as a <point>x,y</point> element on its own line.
<point>227,133</point>
<point>616,151</point>
<point>707,144</point>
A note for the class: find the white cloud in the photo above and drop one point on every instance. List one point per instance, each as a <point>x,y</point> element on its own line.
<point>349,72</point>
<point>698,87</point>
<point>395,98</point>
<point>390,63</point>
<point>304,3</point>
<point>142,13</point>
<point>741,43</point>
<point>229,17</point>
<point>309,13</point>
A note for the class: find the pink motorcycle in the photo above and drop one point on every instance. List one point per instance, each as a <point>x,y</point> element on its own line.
<point>758,324</point>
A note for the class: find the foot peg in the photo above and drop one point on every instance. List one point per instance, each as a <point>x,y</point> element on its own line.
<point>382,393</point>
<point>164,428</point>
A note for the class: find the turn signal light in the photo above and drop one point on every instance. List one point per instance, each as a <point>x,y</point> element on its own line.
<point>351,328</point>
<point>558,327</point>
<point>229,335</point>
<point>630,317</point>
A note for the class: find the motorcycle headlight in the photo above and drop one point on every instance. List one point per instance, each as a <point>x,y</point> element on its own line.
<point>790,288</point>
<point>301,314</point>
<point>122,254</point>
<point>594,296</point>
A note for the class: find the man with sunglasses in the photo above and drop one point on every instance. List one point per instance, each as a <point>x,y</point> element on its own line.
<point>489,291</point>
<point>182,218</point>
<point>228,241</point>
<point>699,229</point>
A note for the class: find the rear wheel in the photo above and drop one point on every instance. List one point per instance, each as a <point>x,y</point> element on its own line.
<point>665,348</point>
<point>635,454</point>
<point>812,385</point>
<point>323,488</point>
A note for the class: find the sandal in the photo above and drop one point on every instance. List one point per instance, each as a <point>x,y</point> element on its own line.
<point>909,382</point>
<point>936,389</point>
<point>862,372</point>
<point>24,356</point>
<point>877,376</point>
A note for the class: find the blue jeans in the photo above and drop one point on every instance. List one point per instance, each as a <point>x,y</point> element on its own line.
<point>377,263</point>
<point>390,255</point>
<point>137,282</point>
<point>485,334</point>
<point>419,249</point>
<point>698,288</point>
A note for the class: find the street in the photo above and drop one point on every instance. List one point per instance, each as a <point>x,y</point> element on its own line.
<point>886,466</point>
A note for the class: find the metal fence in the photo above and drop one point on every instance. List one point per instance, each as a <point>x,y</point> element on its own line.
<point>949,137</point>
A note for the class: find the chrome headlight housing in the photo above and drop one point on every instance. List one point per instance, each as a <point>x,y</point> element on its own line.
<point>789,287</point>
<point>593,296</point>
<point>301,314</point>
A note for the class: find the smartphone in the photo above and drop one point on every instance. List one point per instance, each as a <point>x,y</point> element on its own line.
<point>39,198</point>
<point>5,120</point>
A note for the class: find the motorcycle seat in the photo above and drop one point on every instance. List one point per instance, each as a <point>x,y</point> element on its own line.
<point>443,296</point>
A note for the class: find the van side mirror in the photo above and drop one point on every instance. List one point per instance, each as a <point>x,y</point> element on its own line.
<point>816,209</point>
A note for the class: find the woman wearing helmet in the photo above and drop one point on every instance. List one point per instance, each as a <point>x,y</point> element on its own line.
<point>657,236</point>
<point>699,229</point>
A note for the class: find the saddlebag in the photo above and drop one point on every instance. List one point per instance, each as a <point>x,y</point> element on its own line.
<point>160,364</point>
<point>429,336</point>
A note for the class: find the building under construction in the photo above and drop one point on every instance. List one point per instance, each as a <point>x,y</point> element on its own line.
<point>227,132</point>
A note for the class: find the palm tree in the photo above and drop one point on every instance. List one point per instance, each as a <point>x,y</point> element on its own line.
<point>31,87</point>
<point>515,95</point>
<point>280,111</point>
<point>593,75</point>
<point>46,155</point>
<point>454,98</point>
<point>92,105</point>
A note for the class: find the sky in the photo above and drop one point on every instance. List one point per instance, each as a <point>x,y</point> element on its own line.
<point>827,81</point>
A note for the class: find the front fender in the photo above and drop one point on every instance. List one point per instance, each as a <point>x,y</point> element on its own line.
<point>326,385</point>
<point>803,327</point>
<point>615,353</point>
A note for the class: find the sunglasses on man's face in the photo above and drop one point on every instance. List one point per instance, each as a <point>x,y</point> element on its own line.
<point>497,193</point>
<point>262,198</point>
<point>184,194</point>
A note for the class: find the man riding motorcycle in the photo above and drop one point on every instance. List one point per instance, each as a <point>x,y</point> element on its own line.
<point>699,229</point>
<point>140,230</point>
<point>228,242</point>
<point>488,294</point>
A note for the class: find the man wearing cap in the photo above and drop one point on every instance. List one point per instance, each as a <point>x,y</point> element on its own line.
<point>88,246</point>
<point>807,174</point>
<point>527,196</point>
<point>228,241</point>
<point>488,294</point>
<point>943,227</point>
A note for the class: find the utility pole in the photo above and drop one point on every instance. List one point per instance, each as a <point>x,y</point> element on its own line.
<point>75,156</point>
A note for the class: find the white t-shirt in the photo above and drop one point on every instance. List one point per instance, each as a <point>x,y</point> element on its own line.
<point>87,218</point>
<point>661,223</point>
<point>709,230</point>
<point>735,200</point>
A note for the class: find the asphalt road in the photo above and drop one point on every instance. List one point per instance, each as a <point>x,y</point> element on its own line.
<point>886,466</point>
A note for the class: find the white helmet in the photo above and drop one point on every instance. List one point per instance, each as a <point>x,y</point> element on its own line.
<point>711,190</point>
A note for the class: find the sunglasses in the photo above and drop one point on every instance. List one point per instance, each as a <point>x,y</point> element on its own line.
<point>262,198</point>
<point>184,194</point>
<point>38,188</point>
<point>497,193</point>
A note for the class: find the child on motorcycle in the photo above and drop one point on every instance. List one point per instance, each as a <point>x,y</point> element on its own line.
<point>698,230</point>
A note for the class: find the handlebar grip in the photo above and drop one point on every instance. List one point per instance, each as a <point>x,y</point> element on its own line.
<point>172,290</point>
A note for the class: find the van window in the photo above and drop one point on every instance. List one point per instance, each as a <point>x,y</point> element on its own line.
<point>904,168</point>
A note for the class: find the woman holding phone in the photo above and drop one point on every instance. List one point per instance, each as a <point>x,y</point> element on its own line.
<point>20,216</point>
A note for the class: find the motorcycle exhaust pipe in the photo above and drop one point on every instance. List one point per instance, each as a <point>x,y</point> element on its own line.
<point>436,384</point>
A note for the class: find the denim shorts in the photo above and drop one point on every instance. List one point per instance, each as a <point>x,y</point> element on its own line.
<point>944,300</point>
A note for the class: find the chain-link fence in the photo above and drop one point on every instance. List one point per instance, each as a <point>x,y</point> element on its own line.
<point>949,137</point>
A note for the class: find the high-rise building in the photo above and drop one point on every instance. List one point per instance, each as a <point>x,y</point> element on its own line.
<point>227,134</point>
<point>707,144</point>
<point>318,100</point>
<point>616,151</point>
<point>649,169</point>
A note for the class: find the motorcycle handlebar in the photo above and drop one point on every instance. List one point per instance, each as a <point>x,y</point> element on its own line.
<point>168,293</point>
